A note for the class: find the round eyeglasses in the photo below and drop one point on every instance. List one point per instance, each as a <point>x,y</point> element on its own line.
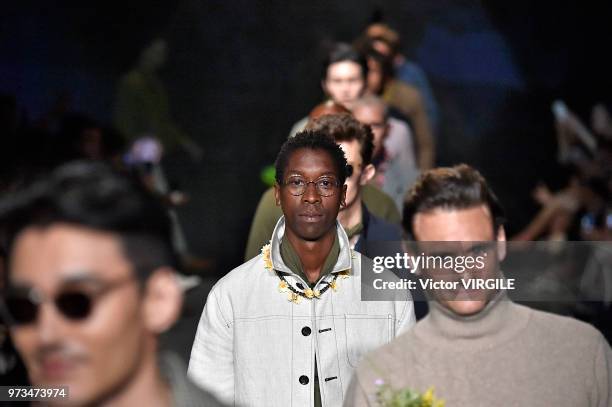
<point>325,186</point>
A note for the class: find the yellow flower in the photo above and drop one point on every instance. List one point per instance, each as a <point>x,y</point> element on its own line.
<point>428,396</point>
<point>283,286</point>
<point>265,251</point>
<point>309,293</point>
<point>430,400</point>
<point>333,285</point>
<point>294,298</point>
<point>317,293</point>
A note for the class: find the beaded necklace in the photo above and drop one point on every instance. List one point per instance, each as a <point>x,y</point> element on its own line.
<point>296,294</point>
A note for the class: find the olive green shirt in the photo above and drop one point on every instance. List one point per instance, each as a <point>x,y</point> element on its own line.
<point>292,260</point>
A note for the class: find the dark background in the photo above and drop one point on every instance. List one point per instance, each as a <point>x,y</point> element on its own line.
<point>240,73</point>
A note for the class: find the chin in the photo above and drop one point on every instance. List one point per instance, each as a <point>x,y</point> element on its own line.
<point>465,307</point>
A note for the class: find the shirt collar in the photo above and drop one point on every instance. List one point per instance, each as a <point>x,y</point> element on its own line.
<point>345,258</point>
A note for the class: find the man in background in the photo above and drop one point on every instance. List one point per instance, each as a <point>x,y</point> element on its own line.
<point>393,156</point>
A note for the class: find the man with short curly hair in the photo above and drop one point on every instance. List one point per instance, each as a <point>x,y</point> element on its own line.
<point>287,327</point>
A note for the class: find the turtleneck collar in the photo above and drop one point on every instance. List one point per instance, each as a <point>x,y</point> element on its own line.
<point>497,322</point>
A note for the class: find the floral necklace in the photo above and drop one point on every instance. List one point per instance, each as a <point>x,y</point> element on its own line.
<point>296,294</point>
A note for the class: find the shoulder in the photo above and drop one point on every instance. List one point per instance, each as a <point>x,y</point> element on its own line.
<point>404,89</point>
<point>380,204</point>
<point>383,230</point>
<point>398,126</point>
<point>267,205</point>
<point>298,126</point>
<point>565,331</point>
<point>242,276</point>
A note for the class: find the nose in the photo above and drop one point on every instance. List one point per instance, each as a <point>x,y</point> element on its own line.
<point>310,193</point>
<point>48,324</point>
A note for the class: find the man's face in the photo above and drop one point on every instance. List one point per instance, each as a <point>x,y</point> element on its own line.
<point>310,216</point>
<point>93,356</point>
<point>373,116</point>
<point>466,228</point>
<point>344,82</point>
<point>352,152</point>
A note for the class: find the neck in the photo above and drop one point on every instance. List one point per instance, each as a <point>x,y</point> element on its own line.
<point>352,214</point>
<point>146,388</point>
<point>496,323</point>
<point>312,254</point>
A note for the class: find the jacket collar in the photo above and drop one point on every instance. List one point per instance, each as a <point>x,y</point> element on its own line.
<point>345,258</point>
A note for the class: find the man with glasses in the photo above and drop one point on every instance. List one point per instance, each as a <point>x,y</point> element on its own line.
<point>288,327</point>
<point>91,285</point>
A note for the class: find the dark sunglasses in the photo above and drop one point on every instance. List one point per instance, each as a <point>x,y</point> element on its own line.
<point>21,305</point>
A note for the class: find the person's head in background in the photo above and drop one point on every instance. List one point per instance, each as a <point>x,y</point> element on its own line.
<point>372,111</point>
<point>90,284</point>
<point>380,69</point>
<point>385,40</point>
<point>455,204</point>
<point>355,139</point>
<point>343,77</point>
<point>325,108</point>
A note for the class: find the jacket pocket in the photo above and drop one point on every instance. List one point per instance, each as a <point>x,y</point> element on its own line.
<point>364,333</point>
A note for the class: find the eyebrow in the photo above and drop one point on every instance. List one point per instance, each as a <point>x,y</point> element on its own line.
<point>325,174</point>
<point>76,279</point>
<point>81,278</point>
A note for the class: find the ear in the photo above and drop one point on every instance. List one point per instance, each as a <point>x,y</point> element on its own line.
<point>163,300</point>
<point>367,174</point>
<point>501,243</point>
<point>343,197</point>
<point>277,194</point>
<point>324,87</point>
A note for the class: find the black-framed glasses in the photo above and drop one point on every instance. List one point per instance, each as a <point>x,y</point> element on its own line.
<point>21,305</point>
<point>325,186</point>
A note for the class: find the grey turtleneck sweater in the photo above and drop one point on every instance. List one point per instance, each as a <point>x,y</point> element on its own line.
<point>506,355</point>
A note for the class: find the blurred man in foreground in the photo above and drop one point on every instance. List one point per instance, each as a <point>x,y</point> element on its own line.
<point>478,347</point>
<point>91,285</point>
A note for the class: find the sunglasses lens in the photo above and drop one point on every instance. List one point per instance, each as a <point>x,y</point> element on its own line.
<point>21,310</point>
<point>74,305</point>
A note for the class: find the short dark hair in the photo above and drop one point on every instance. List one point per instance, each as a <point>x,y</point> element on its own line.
<point>342,52</point>
<point>457,187</point>
<point>344,127</point>
<point>92,195</point>
<point>314,140</point>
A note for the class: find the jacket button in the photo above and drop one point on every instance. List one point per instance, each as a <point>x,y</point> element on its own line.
<point>306,331</point>
<point>304,380</point>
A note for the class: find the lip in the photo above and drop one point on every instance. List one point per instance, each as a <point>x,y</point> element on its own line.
<point>57,367</point>
<point>311,216</point>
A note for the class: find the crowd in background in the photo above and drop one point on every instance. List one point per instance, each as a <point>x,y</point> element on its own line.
<point>394,98</point>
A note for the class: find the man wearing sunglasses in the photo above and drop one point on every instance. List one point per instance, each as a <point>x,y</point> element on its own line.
<point>287,327</point>
<point>91,285</point>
